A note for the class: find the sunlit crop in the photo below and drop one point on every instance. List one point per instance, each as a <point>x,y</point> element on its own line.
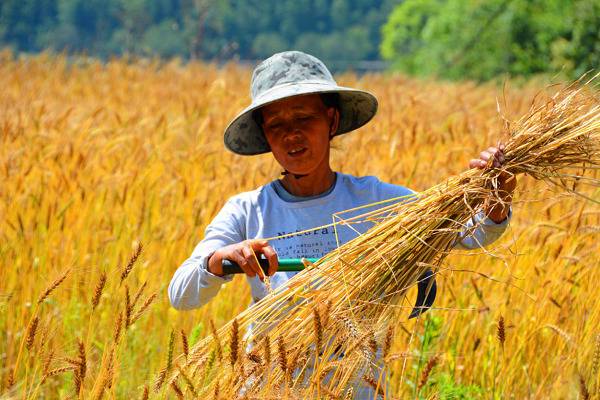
<point>110,172</point>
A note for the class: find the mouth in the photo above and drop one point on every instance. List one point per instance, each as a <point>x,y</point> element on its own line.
<point>297,151</point>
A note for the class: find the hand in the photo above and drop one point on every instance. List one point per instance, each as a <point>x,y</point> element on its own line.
<point>506,182</point>
<point>243,254</point>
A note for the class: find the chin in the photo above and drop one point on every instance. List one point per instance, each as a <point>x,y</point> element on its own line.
<point>294,168</point>
<point>297,172</point>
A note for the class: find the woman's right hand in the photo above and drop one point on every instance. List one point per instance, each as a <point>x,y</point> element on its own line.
<point>243,254</point>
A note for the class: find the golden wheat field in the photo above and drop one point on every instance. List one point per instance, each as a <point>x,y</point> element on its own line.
<point>111,171</point>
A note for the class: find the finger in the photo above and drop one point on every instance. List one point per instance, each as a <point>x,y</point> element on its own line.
<point>271,255</point>
<point>496,163</point>
<point>257,244</point>
<point>250,258</point>
<point>484,155</point>
<point>501,157</point>
<point>498,158</point>
<point>496,154</point>
<point>477,163</point>
<point>239,258</point>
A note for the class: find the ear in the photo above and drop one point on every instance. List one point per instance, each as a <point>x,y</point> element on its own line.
<point>334,120</point>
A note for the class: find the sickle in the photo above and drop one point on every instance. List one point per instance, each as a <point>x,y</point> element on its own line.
<point>426,291</point>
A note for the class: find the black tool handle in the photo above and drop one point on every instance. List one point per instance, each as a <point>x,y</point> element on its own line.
<point>230,267</point>
<point>284,265</point>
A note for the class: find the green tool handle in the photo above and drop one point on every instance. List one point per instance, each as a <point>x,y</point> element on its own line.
<point>285,264</point>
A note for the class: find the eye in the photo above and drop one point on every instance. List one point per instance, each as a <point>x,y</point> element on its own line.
<point>273,127</point>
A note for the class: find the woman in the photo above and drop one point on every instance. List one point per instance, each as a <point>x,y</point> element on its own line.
<point>297,109</point>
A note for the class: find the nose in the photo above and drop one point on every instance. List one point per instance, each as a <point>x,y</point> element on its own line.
<point>291,132</point>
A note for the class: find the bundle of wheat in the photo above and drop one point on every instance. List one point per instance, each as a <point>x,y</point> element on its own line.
<point>323,331</point>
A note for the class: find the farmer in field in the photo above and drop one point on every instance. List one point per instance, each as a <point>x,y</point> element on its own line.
<point>297,109</point>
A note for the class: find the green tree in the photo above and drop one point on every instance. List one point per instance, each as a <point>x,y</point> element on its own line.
<point>165,39</point>
<point>22,21</point>
<point>265,44</point>
<point>334,30</point>
<point>583,50</point>
<point>481,39</point>
<point>405,35</point>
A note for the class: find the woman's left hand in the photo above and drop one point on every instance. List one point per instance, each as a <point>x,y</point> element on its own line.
<point>506,182</point>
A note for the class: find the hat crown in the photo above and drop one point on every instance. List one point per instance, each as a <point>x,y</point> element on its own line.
<point>287,68</point>
<point>285,75</point>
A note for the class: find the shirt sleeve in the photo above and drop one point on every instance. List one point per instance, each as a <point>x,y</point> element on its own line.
<point>481,231</point>
<point>193,285</point>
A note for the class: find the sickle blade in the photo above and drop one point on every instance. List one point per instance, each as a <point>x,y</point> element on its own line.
<point>426,291</point>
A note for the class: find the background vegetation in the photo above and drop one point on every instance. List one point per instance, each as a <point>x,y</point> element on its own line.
<point>477,39</point>
<point>343,30</point>
<point>482,39</point>
<point>96,158</point>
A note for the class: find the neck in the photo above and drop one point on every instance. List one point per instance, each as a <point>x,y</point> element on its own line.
<point>309,185</point>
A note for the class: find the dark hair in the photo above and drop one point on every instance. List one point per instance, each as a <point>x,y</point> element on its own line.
<point>328,99</point>
<point>331,100</point>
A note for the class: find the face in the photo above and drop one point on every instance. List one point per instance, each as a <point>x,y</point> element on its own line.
<point>298,129</point>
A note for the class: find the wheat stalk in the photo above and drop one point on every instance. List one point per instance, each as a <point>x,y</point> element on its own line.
<point>53,286</point>
<point>127,270</point>
<point>501,334</point>
<point>31,331</point>
<point>433,361</point>
<point>184,344</point>
<point>98,290</point>
<point>364,279</point>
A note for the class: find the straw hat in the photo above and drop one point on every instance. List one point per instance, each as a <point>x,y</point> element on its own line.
<point>288,74</point>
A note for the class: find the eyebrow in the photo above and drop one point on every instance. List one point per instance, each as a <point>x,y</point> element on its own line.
<point>295,108</point>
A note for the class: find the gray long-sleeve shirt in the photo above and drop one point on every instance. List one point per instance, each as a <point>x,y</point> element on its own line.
<point>262,213</point>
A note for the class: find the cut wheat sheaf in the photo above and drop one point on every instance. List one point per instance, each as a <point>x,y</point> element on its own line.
<point>330,320</point>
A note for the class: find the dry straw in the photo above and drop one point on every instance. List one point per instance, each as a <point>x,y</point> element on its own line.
<point>364,281</point>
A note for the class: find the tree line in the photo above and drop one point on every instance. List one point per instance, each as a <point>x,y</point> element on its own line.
<point>200,29</point>
<point>477,39</point>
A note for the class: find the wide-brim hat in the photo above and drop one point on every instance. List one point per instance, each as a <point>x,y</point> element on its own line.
<point>289,74</point>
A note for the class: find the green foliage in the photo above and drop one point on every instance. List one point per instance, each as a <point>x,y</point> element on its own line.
<point>265,44</point>
<point>440,382</point>
<point>476,39</point>
<point>164,39</point>
<point>332,29</point>
<point>196,333</point>
<point>406,33</point>
<point>481,39</point>
<point>446,387</point>
<point>431,332</point>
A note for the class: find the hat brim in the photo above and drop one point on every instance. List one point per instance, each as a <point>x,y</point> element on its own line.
<point>243,135</point>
